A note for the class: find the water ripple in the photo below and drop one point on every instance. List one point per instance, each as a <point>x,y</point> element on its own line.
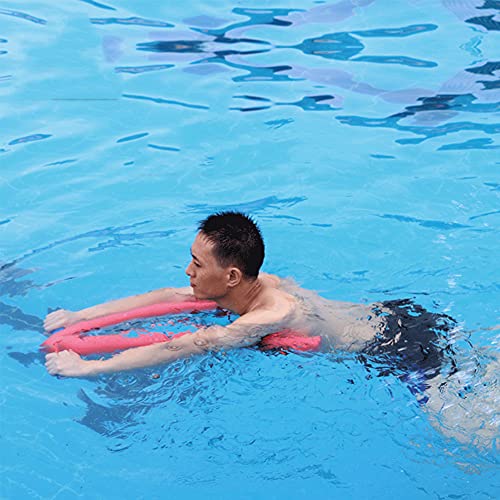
<point>269,74</point>
<point>97,4</point>
<point>18,320</point>
<point>433,224</point>
<point>173,46</point>
<point>160,100</point>
<point>383,157</point>
<point>489,85</point>
<point>307,103</point>
<point>212,52</point>
<point>204,20</point>
<point>122,240</point>
<point>163,148</point>
<point>487,214</point>
<point>23,15</point>
<point>493,185</point>
<point>131,21</point>
<point>142,69</point>
<point>256,17</point>
<point>251,206</point>
<point>488,22</point>
<point>132,137</point>
<point>488,68</point>
<point>480,143</point>
<point>11,283</point>
<point>438,103</point>
<point>276,124</point>
<point>402,60</point>
<point>116,238</point>
<point>341,46</point>
<point>29,138</point>
<point>60,162</point>
<point>405,31</point>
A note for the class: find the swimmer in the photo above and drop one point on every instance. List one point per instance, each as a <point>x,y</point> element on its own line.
<point>226,257</point>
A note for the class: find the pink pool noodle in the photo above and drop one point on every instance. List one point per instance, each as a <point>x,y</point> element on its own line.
<point>70,338</point>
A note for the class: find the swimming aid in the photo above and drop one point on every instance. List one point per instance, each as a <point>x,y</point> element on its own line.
<point>73,338</point>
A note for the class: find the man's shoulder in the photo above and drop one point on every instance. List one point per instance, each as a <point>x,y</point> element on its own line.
<point>275,306</point>
<point>270,280</point>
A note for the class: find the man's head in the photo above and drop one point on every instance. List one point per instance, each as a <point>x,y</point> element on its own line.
<point>230,248</point>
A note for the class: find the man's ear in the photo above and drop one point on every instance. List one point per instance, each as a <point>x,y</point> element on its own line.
<point>235,276</point>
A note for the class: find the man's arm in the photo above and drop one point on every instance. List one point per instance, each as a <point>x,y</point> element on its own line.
<point>62,317</point>
<point>243,332</point>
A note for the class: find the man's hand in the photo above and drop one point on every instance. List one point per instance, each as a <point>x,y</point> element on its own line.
<point>60,319</point>
<point>67,364</point>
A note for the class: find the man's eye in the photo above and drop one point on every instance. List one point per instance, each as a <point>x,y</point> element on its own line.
<point>196,264</point>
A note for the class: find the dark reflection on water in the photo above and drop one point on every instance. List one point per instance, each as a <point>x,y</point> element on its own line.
<point>256,17</point>
<point>14,284</point>
<point>487,22</point>
<point>212,45</point>
<point>309,103</point>
<point>134,21</point>
<point>254,206</point>
<point>29,138</point>
<point>480,143</point>
<point>19,320</point>
<point>98,4</point>
<point>444,108</point>
<point>433,224</point>
<point>113,237</point>
<point>160,100</point>
<point>488,68</point>
<point>120,402</point>
<point>215,45</point>
<point>142,69</point>
<point>340,45</point>
<point>476,85</point>
<point>22,15</point>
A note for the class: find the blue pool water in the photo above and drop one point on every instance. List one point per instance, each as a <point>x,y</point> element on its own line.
<point>362,137</point>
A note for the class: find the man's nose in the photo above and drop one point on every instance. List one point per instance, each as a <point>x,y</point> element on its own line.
<point>188,269</point>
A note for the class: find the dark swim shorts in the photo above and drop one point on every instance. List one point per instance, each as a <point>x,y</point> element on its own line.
<point>413,344</point>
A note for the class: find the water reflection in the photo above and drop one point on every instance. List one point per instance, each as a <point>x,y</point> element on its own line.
<point>22,15</point>
<point>214,45</point>
<point>13,283</point>
<point>337,45</point>
<point>120,402</point>
<point>443,108</point>
<point>112,236</point>
<point>97,4</point>
<point>242,43</point>
<point>308,103</point>
<point>254,206</point>
<point>131,21</point>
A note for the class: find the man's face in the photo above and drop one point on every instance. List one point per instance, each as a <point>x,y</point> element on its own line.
<point>207,278</point>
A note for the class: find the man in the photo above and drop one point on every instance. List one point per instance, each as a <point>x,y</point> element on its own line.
<point>227,254</point>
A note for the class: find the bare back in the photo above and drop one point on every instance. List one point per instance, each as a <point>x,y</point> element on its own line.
<point>342,325</point>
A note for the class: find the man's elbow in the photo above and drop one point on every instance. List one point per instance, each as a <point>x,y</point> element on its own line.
<point>188,345</point>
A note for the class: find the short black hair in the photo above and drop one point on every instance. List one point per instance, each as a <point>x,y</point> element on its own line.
<point>237,241</point>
